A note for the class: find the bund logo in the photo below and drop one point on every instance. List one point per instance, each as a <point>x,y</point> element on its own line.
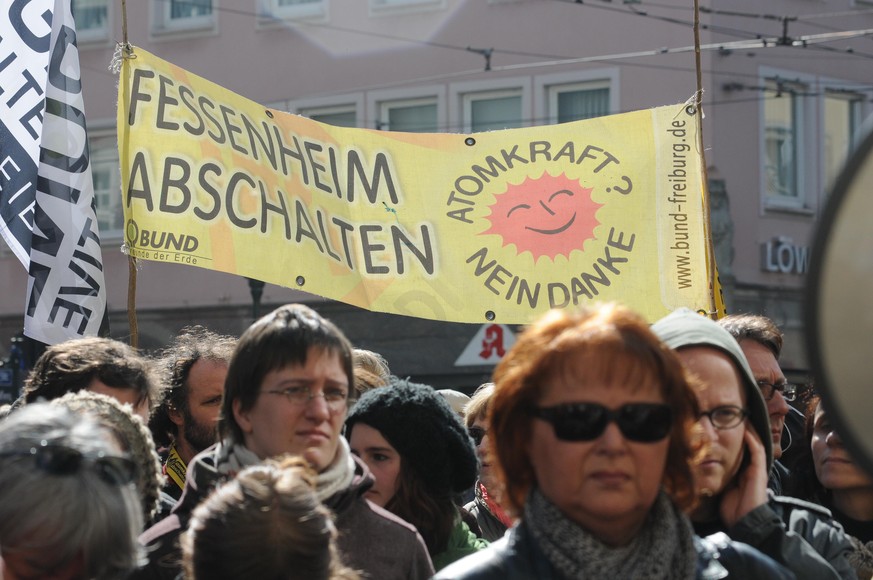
<point>132,233</point>
<point>160,245</point>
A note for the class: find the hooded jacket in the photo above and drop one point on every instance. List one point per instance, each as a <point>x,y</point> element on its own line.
<point>685,328</point>
<point>799,535</point>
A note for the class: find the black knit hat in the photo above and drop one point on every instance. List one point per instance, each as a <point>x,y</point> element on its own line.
<point>424,430</point>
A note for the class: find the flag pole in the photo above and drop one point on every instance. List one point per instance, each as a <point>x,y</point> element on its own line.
<point>707,228</point>
<point>131,261</point>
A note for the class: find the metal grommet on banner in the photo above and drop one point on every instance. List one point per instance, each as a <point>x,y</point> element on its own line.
<point>489,315</point>
<point>691,110</point>
<point>270,113</point>
<point>300,280</point>
<point>469,141</point>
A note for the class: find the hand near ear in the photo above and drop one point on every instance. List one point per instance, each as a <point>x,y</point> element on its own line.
<point>748,489</point>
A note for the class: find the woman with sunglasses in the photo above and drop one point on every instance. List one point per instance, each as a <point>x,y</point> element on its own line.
<point>732,475</point>
<point>490,516</point>
<point>68,507</point>
<point>590,430</point>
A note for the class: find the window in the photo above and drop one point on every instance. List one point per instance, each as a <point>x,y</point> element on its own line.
<point>578,101</point>
<point>341,116</point>
<point>378,6</point>
<point>574,96</point>
<point>107,185</point>
<point>183,15</point>
<point>92,19</point>
<point>842,115</point>
<point>783,141</point>
<point>491,111</point>
<point>413,116</point>
<point>291,9</point>
<point>188,9</point>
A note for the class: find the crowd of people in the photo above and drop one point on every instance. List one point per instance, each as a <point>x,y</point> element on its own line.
<point>604,447</point>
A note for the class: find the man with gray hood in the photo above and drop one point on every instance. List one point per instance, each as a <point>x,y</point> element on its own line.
<point>732,475</point>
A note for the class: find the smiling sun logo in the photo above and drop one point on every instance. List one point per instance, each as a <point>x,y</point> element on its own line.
<point>546,216</point>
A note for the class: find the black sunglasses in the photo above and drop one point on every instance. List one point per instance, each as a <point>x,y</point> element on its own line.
<point>477,434</point>
<point>62,460</point>
<point>641,422</point>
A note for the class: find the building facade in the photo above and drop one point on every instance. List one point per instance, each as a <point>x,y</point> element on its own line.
<point>781,116</point>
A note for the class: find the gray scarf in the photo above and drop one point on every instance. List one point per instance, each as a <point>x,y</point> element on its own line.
<point>338,475</point>
<point>231,458</point>
<point>664,548</point>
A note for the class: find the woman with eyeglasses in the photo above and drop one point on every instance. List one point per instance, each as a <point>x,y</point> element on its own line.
<point>829,476</point>
<point>590,431</point>
<point>491,517</point>
<point>421,456</point>
<point>731,477</point>
<point>68,507</point>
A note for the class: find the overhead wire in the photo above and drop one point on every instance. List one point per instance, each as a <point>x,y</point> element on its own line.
<point>753,41</point>
<point>602,5</point>
<point>630,9</point>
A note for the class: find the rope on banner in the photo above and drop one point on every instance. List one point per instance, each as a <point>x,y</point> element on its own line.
<point>124,22</point>
<point>124,50</point>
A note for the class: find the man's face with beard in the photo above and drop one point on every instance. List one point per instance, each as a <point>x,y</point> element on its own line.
<point>198,421</point>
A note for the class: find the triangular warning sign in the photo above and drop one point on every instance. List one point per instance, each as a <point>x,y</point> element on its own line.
<point>487,347</point>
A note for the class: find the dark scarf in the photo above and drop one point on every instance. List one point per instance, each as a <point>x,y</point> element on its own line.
<point>663,549</point>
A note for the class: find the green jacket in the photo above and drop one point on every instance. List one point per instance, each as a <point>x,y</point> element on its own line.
<point>462,542</point>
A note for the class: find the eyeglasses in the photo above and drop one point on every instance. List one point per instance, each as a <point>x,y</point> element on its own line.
<point>336,398</point>
<point>63,460</point>
<point>725,417</point>
<point>640,422</point>
<point>477,434</point>
<point>788,390</point>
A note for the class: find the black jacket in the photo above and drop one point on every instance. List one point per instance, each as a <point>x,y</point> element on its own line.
<point>799,535</point>
<point>518,557</point>
<point>491,527</point>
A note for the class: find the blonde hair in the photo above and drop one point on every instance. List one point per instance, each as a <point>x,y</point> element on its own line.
<point>477,406</point>
<point>371,370</point>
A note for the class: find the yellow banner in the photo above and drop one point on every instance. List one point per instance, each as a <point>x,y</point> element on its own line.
<point>497,226</point>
